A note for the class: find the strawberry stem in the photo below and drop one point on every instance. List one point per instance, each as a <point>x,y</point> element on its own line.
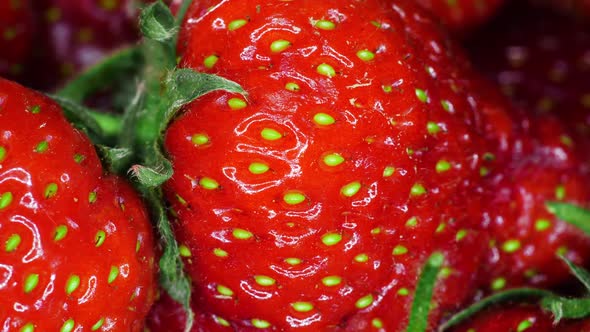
<point>423,296</point>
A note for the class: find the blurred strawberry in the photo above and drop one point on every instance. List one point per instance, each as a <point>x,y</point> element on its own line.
<point>16,31</point>
<point>462,15</point>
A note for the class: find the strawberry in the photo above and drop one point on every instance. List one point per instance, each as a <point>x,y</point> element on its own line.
<point>547,159</point>
<point>519,319</point>
<point>16,25</point>
<point>314,202</point>
<point>462,15</point>
<point>78,33</point>
<point>76,246</point>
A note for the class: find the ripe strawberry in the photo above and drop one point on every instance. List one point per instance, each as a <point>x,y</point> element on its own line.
<point>462,15</point>
<point>76,246</point>
<point>319,197</point>
<point>16,24</point>
<point>76,34</point>
<point>520,319</point>
<point>547,159</point>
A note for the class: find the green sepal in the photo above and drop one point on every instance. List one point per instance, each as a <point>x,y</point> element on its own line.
<point>153,177</point>
<point>112,156</point>
<point>157,22</point>
<point>186,85</point>
<point>581,274</point>
<point>81,117</point>
<point>418,321</point>
<point>562,307</point>
<point>571,214</point>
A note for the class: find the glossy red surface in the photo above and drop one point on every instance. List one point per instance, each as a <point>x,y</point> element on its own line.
<point>405,125</point>
<point>61,220</point>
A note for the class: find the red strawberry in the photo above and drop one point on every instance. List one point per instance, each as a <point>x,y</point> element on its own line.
<point>519,319</point>
<point>16,24</point>
<point>76,246</point>
<point>546,158</point>
<point>77,34</point>
<point>354,157</point>
<point>462,15</point>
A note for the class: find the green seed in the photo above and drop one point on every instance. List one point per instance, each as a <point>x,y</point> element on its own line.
<point>560,193</point>
<point>302,306</point>
<point>31,283</point>
<point>433,128</point>
<point>97,325</point>
<point>68,326</point>
<point>362,258</point>
<point>42,147</point>
<point>365,55</point>
<point>99,238</point>
<point>237,104</point>
<point>417,190</point>
<point>387,88</point>
<point>208,183</point>
<point>50,190</point>
<point>12,243</point>
<point>221,321</point>
<point>511,246</point>
<point>441,227</point>
<point>422,95</point>
<point>364,302</point>
<point>78,158</point>
<point>92,197</point>
<point>351,189</point>
<point>258,168</point>
<point>498,283</point>
<point>333,159</point>
<point>2,153</point>
<point>184,251</point>
<point>461,234</point>
<point>323,119</point>
<point>331,239</point>
<point>210,61</point>
<point>113,274</point>
<point>225,291</point>
<point>242,234</point>
<point>325,25</point>
<point>524,325</point>
<point>220,252</point>
<point>279,46</point>
<point>542,225</point>
<point>331,281</point>
<point>377,323</point>
<point>442,166</point>
<point>294,198</point>
<point>412,222</point>
<point>200,139</point>
<point>236,24</point>
<point>447,106</point>
<point>388,171</point>
<point>72,284</point>
<point>264,281</point>
<point>29,327</point>
<point>293,261</point>
<point>403,292</point>
<point>5,200</point>
<point>292,87</point>
<point>270,134</point>
<point>400,250</point>
<point>260,324</point>
<point>60,233</point>
<point>326,70</point>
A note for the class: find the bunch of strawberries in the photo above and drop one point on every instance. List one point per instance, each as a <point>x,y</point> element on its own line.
<point>294,165</point>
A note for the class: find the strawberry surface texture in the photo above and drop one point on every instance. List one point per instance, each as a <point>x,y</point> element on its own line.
<point>76,251</point>
<point>313,203</point>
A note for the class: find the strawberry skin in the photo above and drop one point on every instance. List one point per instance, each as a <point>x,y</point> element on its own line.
<point>462,15</point>
<point>319,197</point>
<point>16,25</point>
<point>76,245</point>
<point>519,319</point>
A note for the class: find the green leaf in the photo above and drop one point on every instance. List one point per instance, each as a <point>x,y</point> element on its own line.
<point>153,177</point>
<point>157,22</point>
<point>571,214</point>
<point>566,308</point>
<point>423,296</point>
<point>112,156</point>
<point>186,85</point>
<point>119,66</point>
<point>81,117</point>
<point>512,295</point>
<point>582,274</point>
